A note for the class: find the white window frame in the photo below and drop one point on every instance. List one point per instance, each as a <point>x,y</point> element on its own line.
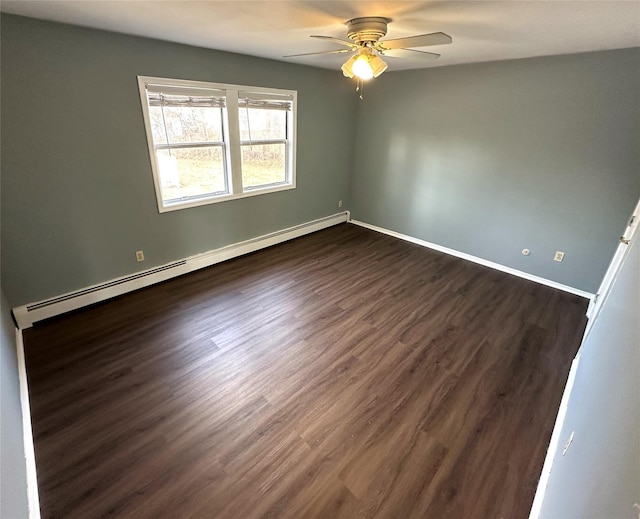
<point>232,145</point>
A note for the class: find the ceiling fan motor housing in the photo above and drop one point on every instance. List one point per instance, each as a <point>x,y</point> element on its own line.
<point>367,29</point>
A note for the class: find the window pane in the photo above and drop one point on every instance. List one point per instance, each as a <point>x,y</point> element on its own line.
<point>196,130</point>
<point>191,172</point>
<point>186,124</point>
<point>263,164</point>
<point>262,124</point>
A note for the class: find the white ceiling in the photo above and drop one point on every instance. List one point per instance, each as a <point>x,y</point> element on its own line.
<point>481,30</point>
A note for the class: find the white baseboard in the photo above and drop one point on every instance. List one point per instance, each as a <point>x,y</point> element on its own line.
<point>33,499</point>
<point>475,259</point>
<point>30,313</point>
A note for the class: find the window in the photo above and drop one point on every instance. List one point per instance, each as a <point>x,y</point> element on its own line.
<point>212,142</point>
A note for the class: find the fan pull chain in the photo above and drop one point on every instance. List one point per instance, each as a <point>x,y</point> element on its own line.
<point>360,87</point>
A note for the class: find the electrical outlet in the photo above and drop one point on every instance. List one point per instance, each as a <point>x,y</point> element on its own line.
<point>139,255</point>
<point>559,256</point>
<point>339,203</point>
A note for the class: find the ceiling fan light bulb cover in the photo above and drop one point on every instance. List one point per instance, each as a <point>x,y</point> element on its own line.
<point>347,68</point>
<point>377,65</point>
<point>362,68</point>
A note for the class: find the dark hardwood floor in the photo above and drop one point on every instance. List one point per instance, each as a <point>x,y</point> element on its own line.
<point>344,374</point>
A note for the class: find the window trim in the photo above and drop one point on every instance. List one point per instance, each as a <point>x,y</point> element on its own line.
<point>232,147</point>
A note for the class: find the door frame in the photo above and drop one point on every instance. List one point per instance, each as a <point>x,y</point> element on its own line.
<point>614,266</point>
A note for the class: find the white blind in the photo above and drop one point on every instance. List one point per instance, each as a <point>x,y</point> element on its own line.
<point>159,99</point>
<point>265,100</point>
<point>168,95</point>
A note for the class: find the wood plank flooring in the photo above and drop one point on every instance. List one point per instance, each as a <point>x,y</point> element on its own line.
<point>345,374</point>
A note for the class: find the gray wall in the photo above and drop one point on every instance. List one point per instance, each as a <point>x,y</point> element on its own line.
<point>77,190</point>
<point>492,158</point>
<point>13,474</point>
<point>486,159</point>
<point>600,474</point>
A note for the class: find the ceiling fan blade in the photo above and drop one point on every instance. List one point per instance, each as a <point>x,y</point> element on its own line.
<point>410,53</point>
<point>340,51</point>
<point>335,40</point>
<point>422,40</point>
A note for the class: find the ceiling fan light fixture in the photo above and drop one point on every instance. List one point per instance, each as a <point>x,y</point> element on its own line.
<point>347,68</point>
<point>366,35</point>
<point>362,68</point>
<point>377,65</point>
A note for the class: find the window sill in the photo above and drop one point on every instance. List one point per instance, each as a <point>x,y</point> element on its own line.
<point>165,208</point>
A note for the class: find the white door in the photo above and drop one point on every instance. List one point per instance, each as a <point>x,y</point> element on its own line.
<point>612,271</point>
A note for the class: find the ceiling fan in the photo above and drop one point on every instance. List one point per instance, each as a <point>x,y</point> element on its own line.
<point>366,46</point>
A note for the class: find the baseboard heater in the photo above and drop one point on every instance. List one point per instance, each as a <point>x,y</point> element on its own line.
<point>31,313</point>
